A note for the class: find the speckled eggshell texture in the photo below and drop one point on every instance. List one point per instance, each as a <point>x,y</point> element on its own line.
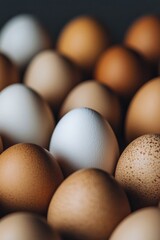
<point>138,171</point>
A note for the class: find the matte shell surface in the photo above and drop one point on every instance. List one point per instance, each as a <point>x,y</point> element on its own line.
<point>143,115</point>
<point>96,96</point>
<point>138,171</point>
<point>144,36</point>
<point>121,69</point>
<point>24,116</point>
<point>88,205</point>
<point>141,225</point>
<point>82,139</point>
<point>82,40</point>
<point>29,176</point>
<point>26,226</point>
<point>22,37</point>
<point>52,76</point>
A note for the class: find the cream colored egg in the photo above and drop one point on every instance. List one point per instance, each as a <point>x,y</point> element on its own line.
<point>52,76</point>
<point>96,96</point>
<point>141,225</point>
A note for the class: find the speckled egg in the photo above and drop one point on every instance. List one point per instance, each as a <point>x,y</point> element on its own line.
<point>138,171</point>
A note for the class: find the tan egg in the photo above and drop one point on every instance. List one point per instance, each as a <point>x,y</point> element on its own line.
<point>26,226</point>
<point>143,114</point>
<point>141,225</point>
<point>138,171</point>
<point>82,40</point>
<point>144,36</point>
<point>96,96</point>
<point>28,178</point>
<point>88,205</point>
<point>8,72</point>
<point>121,69</point>
<point>52,76</point>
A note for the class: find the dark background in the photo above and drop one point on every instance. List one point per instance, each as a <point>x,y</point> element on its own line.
<point>116,14</point>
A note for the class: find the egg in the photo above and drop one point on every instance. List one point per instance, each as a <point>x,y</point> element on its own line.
<point>88,205</point>
<point>52,76</point>
<point>143,225</point>
<point>138,171</point>
<point>22,37</point>
<point>8,72</point>
<point>96,96</point>
<point>82,40</point>
<point>29,176</point>
<point>143,114</point>
<point>83,138</point>
<point>144,36</point>
<point>1,145</point>
<point>25,116</point>
<point>26,226</point>
<point>121,69</point>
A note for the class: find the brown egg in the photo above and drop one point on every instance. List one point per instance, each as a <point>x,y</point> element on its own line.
<point>121,69</point>
<point>138,171</point>
<point>1,145</point>
<point>96,96</point>
<point>144,36</point>
<point>26,226</point>
<point>29,176</point>
<point>82,40</point>
<point>143,115</point>
<point>52,76</point>
<point>88,206</point>
<point>141,225</point>
<point>8,72</point>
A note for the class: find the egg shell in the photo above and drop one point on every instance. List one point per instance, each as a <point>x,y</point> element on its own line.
<point>144,36</point>
<point>83,138</point>
<point>121,69</point>
<point>143,225</point>
<point>25,226</point>
<point>25,116</point>
<point>88,205</point>
<point>143,114</point>
<point>138,171</point>
<point>28,38</point>
<point>94,95</point>
<point>9,73</point>
<point>52,76</point>
<point>82,40</point>
<point>29,176</point>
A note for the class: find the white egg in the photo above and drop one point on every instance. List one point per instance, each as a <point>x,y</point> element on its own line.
<point>22,37</point>
<point>84,139</point>
<point>24,116</point>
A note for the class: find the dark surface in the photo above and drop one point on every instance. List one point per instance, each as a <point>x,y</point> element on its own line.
<point>117,14</point>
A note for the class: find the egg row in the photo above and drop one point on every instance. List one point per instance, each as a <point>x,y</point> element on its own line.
<point>90,203</point>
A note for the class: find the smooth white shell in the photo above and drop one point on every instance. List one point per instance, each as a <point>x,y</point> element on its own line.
<point>24,116</point>
<point>22,37</point>
<point>84,139</point>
